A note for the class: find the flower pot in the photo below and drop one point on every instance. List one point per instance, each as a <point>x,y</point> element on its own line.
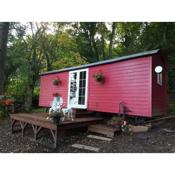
<point>99,77</point>
<point>55,117</point>
<point>56,82</point>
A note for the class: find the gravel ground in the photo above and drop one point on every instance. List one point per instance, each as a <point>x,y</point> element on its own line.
<point>155,141</point>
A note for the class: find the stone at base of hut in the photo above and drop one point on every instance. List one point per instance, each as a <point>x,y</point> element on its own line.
<point>168,130</point>
<point>99,138</point>
<point>85,147</point>
<point>137,129</point>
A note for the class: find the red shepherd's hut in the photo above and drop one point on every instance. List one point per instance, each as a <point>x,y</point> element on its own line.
<point>136,83</point>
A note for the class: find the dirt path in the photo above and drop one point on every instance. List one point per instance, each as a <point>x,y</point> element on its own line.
<point>155,141</point>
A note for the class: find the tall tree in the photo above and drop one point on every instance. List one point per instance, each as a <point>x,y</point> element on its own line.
<point>102,39</point>
<point>112,36</point>
<point>4,28</point>
<point>85,34</point>
<point>35,47</point>
<point>161,35</point>
<point>128,36</point>
<point>34,59</point>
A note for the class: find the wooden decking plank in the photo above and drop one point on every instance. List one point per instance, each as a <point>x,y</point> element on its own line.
<point>79,120</point>
<point>99,138</point>
<point>39,117</point>
<point>85,147</point>
<point>38,120</point>
<point>42,121</point>
<point>45,124</point>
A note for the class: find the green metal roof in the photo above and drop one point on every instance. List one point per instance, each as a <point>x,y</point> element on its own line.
<point>123,58</point>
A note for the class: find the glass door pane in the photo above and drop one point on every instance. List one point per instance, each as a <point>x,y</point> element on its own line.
<point>82,88</point>
<point>78,89</point>
<point>73,88</point>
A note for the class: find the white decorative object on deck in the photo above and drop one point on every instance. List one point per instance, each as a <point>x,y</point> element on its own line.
<point>68,112</point>
<point>56,105</point>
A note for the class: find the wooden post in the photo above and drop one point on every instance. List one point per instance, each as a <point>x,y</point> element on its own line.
<point>12,124</point>
<point>61,133</point>
<point>54,135</point>
<point>36,130</point>
<point>23,125</point>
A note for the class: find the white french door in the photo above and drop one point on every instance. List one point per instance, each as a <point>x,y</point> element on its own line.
<point>78,87</point>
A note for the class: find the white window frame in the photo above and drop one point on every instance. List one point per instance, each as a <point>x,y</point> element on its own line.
<point>160,78</point>
<point>78,106</point>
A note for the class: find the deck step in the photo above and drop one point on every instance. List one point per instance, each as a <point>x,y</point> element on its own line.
<point>82,112</point>
<point>85,147</point>
<point>99,138</point>
<point>103,129</point>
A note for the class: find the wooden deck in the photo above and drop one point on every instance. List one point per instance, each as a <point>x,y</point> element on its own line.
<point>39,121</point>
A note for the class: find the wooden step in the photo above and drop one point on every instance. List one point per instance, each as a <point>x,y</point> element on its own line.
<point>82,112</point>
<point>103,129</point>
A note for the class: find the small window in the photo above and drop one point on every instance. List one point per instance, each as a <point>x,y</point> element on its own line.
<point>159,78</point>
<point>158,70</point>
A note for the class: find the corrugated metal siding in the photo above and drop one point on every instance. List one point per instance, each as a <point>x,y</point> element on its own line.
<point>159,93</point>
<point>127,81</point>
<point>47,88</point>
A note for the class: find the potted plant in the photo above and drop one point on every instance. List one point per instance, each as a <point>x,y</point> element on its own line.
<point>56,81</point>
<point>56,94</point>
<point>4,103</point>
<point>99,77</point>
<point>56,116</point>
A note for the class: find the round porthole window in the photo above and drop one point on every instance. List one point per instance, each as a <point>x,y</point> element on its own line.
<point>158,69</point>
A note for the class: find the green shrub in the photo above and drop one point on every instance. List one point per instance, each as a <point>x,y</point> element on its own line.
<point>172,108</point>
<point>3,107</point>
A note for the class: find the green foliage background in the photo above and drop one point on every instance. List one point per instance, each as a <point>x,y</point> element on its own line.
<point>39,47</point>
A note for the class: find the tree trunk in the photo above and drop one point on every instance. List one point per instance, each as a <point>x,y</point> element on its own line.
<point>28,98</point>
<point>95,48</point>
<point>49,67</point>
<point>103,47</point>
<point>31,82</point>
<point>112,39</point>
<point>92,27</point>
<point>4,28</point>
